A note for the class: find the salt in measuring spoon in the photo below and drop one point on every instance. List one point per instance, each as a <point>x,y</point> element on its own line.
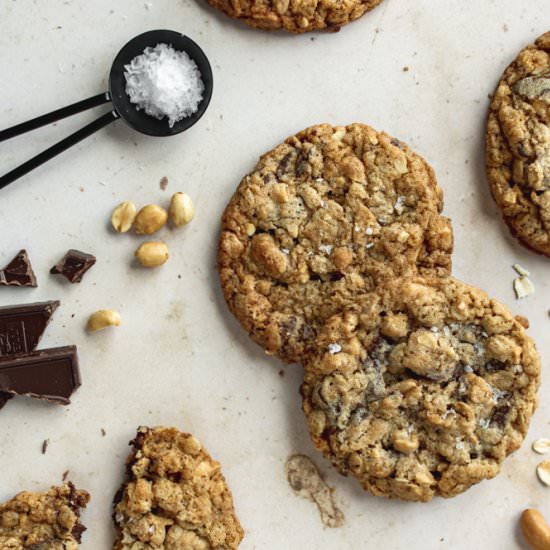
<point>121,105</point>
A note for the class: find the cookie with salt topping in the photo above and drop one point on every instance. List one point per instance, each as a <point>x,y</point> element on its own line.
<point>422,389</point>
<point>331,213</point>
<point>175,496</point>
<point>295,17</point>
<point>518,146</point>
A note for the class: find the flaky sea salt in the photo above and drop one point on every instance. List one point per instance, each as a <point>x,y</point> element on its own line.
<point>334,348</point>
<point>164,83</point>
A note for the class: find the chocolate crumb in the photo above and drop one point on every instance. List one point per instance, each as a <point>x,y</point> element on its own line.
<point>405,69</point>
<point>45,444</point>
<point>163,183</point>
<point>65,475</point>
<point>103,432</point>
<point>281,373</point>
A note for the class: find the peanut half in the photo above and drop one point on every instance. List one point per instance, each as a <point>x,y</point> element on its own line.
<point>182,210</point>
<point>152,254</point>
<point>150,219</point>
<point>123,216</point>
<point>102,319</point>
<point>535,529</point>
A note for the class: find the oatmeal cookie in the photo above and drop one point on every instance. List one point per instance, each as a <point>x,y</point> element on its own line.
<point>295,16</point>
<point>175,496</point>
<point>422,389</point>
<point>329,214</point>
<point>518,145</point>
<point>43,521</point>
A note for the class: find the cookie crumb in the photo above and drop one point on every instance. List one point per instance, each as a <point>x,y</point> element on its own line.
<point>103,432</point>
<point>521,271</point>
<point>306,481</point>
<point>523,287</point>
<point>65,475</point>
<point>405,69</point>
<point>163,183</point>
<point>45,444</point>
<point>282,373</point>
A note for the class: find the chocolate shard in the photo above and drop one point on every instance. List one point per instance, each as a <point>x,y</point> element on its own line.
<point>18,272</point>
<point>50,374</point>
<point>22,326</point>
<point>73,265</point>
<point>4,398</point>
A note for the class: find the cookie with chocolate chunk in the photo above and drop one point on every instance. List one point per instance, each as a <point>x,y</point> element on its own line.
<point>422,389</point>
<point>175,496</point>
<point>49,520</point>
<point>331,213</point>
<point>295,17</point>
<point>518,146</point>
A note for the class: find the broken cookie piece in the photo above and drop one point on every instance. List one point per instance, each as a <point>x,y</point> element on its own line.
<point>175,496</point>
<point>18,272</point>
<point>73,265</point>
<point>43,521</point>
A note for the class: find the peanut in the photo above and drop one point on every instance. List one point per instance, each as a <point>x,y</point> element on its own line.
<point>123,216</point>
<point>535,529</point>
<point>102,319</point>
<point>150,219</point>
<point>182,210</point>
<point>152,254</point>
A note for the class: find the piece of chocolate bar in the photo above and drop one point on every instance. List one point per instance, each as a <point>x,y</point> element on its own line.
<point>4,398</point>
<point>50,374</point>
<point>18,272</point>
<point>22,326</point>
<point>73,265</point>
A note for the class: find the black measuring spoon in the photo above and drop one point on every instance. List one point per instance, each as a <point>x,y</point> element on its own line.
<point>121,105</point>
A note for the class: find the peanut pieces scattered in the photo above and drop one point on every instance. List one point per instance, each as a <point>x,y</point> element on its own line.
<point>150,219</point>
<point>123,216</point>
<point>182,210</point>
<point>543,472</point>
<point>541,446</point>
<point>152,253</point>
<point>102,319</point>
<point>535,529</point>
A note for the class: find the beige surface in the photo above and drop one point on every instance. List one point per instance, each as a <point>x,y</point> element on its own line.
<point>179,358</point>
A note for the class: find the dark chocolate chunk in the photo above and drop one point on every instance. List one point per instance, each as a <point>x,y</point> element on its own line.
<point>18,272</point>
<point>50,374</point>
<point>73,265</point>
<point>22,326</point>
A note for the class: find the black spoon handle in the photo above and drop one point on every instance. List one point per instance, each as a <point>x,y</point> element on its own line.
<point>54,116</point>
<point>54,150</point>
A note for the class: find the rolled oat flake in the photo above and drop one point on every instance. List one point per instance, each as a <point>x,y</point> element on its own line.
<point>164,82</point>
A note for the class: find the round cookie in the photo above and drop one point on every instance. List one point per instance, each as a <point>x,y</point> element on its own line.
<point>295,16</point>
<point>518,145</point>
<point>329,214</point>
<point>421,390</point>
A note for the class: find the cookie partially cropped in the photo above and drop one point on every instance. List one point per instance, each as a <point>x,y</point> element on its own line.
<point>518,145</point>
<point>331,213</point>
<point>43,521</point>
<point>175,496</point>
<point>421,390</point>
<point>295,16</point>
